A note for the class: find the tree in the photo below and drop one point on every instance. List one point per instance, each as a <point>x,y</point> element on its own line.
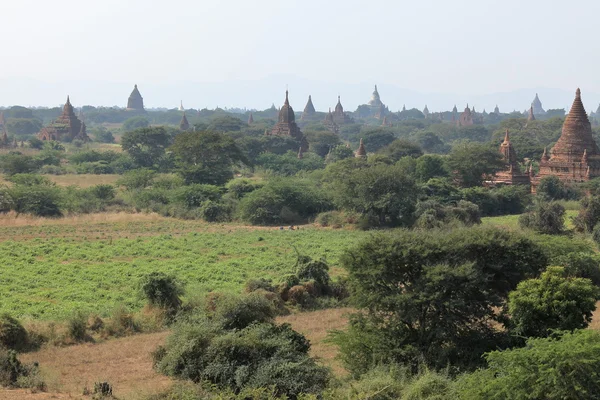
<point>23,126</point>
<point>401,148</point>
<point>103,135</point>
<point>375,139</point>
<point>552,188</point>
<point>321,142</point>
<point>546,218</point>
<point>340,152</point>
<point>473,163</point>
<point>226,124</point>
<point>162,290</point>
<point>206,157</point>
<point>381,193</point>
<point>135,123</point>
<point>430,296</point>
<point>17,163</point>
<point>565,366</point>
<point>551,302</point>
<point>589,214</point>
<point>146,146</point>
<point>430,166</point>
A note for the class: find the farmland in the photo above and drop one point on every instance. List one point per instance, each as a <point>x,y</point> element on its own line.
<point>54,267</point>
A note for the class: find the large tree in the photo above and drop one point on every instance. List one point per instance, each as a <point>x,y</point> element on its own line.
<point>206,157</point>
<point>432,297</point>
<point>146,146</point>
<point>472,163</point>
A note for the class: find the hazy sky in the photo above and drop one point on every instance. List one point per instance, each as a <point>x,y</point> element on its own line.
<point>461,46</point>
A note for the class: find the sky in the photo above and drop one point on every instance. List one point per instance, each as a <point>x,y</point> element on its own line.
<point>188,50</point>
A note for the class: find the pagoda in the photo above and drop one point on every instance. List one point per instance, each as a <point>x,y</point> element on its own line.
<point>378,109</point>
<point>330,123</point>
<point>66,127</point>
<point>530,115</point>
<point>286,124</point>
<point>575,157</point>
<point>184,125</point>
<point>309,110</point>
<point>4,137</point>
<point>465,118</point>
<point>536,104</point>
<point>511,175</point>
<point>426,111</point>
<point>362,151</point>
<point>339,116</point>
<point>496,110</point>
<point>135,101</point>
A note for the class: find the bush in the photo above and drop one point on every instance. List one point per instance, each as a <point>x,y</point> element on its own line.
<point>256,284</point>
<point>77,327</point>
<point>317,270</point>
<point>561,367</point>
<point>548,218</point>
<point>39,200</point>
<point>137,179</point>
<point>551,302</point>
<point>162,291</point>
<point>103,192</point>
<point>212,211</point>
<point>241,311</point>
<point>552,188</point>
<point>580,265</point>
<point>12,334</point>
<point>258,356</point>
<point>589,214</point>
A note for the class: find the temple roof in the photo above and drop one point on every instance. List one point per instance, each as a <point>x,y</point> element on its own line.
<point>576,137</point>
<point>375,99</point>
<point>184,125</point>
<point>68,108</point>
<point>309,108</point>
<point>250,119</point>
<point>338,107</point>
<point>329,116</point>
<point>286,114</point>
<point>530,116</point>
<point>362,151</point>
<point>507,150</point>
<point>497,110</point>
<point>537,105</point>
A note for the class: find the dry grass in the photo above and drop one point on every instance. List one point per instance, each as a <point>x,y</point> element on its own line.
<point>125,363</point>
<point>315,325</point>
<point>83,180</point>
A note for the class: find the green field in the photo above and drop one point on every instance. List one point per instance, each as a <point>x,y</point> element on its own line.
<point>50,270</point>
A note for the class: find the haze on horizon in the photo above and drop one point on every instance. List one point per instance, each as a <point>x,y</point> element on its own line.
<point>467,47</point>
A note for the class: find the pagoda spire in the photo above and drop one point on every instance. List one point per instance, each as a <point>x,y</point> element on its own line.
<point>506,138</point>
<point>362,151</point>
<point>545,155</point>
<point>250,119</point>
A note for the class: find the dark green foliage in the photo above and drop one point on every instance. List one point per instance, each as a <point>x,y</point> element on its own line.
<point>340,152</point>
<point>102,135</point>
<point>12,334</point>
<point>103,192</point>
<point>146,146</point>
<point>308,269</point>
<point>11,368</point>
<point>259,284</point>
<point>195,195</point>
<point>289,163</point>
<point>473,162</point>
<point>39,200</point>
<point>240,312</point>
<point>137,179</point>
<point>430,166</point>
<point>499,201</point>
<point>384,195</point>
<point>36,143</point>
<point>401,148</point>
<point>93,156</point>
<point>162,290</point>
<point>77,327</point>
<point>555,368</point>
<point>238,188</point>
<point>580,265</point>
<point>589,214</point>
<point>377,138</point>
<point>596,234</point>
<point>257,356</point>
<point>17,163</point>
<point>430,296</point>
<point>135,123</point>
<point>546,218</point>
<point>206,157</point>
<point>432,214</point>
<point>283,201</point>
<point>552,188</point>
<point>212,211</point>
<point>551,302</point>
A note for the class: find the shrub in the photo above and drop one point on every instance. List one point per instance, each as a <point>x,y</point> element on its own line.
<point>162,291</point>
<point>309,269</point>
<point>256,284</point>
<point>103,192</point>
<point>561,367</point>
<point>137,179</point>
<point>12,334</point>
<point>596,234</point>
<point>298,295</point>
<point>39,200</point>
<point>238,188</point>
<point>589,214</point>
<point>546,218</point>
<point>552,188</point>
<point>15,374</point>
<point>258,356</point>
<point>241,311</point>
<point>120,323</point>
<point>77,327</point>
<point>551,302</point>
<point>212,211</point>
<point>580,265</point>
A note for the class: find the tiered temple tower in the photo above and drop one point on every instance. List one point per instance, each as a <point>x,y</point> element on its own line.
<point>66,127</point>
<point>184,125</point>
<point>575,157</point>
<point>135,101</point>
<point>512,174</point>
<point>426,111</point>
<point>362,151</point>
<point>339,116</point>
<point>286,124</point>
<point>465,118</point>
<point>309,110</point>
<point>330,123</point>
<point>537,106</point>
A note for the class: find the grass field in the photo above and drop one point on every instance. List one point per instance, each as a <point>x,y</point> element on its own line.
<point>93,263</point>
<point>512,221</point>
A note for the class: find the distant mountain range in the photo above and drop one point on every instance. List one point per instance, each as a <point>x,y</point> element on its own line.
<point>260,94</point>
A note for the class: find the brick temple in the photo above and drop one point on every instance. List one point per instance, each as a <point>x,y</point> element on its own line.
<point>66,127</point>
<point>511,174</point>
<point>135,101</point>
<point>575,157</point>
<point>286,124</point>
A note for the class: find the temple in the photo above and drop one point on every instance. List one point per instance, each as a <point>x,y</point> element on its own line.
<point>339,116</point>
<point>511,175</point>
<point>330,123</point>
<point>66,127</point>
<point>362,151</point>
<point>536,104</point>
<point>4,137</point>
<point>530,115</point>
<point>575,157</point>
<point>184,125</point>
<point>426,111</point>
<point>465,118</point>
<point>135,101</point>
<point>378,109</point>
<point>309,110</point>
<point>496,110</point>
<point>250,119</point>
<point>286,124</point>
